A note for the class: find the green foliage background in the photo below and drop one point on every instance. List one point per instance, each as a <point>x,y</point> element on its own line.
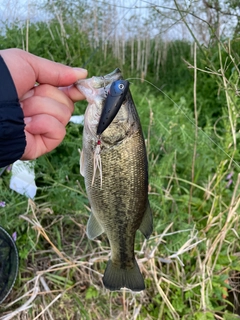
<point>191,263</point>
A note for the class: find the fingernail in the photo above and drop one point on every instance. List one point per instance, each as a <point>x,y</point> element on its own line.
<point>82,70</point>
<point>29,94</point>
<point>27,120</point>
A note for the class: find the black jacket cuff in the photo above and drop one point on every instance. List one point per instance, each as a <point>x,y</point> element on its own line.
<point>12,135</point>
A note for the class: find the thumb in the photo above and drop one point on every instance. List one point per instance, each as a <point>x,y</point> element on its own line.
<point>27,69</point>
<point>54,73</point>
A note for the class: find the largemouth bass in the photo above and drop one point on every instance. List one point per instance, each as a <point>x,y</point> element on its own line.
<point>115,170</point>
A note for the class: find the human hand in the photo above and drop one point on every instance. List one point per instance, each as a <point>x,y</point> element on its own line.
<point>47,107</point>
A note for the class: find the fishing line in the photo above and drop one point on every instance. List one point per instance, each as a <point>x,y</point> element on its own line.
<point>165,94</point>
<point>189,119</point>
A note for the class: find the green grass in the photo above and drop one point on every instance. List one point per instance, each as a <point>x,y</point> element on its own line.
<point>191,262</point>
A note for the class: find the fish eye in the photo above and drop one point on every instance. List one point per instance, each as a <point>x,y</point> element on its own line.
<point>121,86</point>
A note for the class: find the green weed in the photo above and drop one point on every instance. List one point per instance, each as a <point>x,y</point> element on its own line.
<point>191,262</point>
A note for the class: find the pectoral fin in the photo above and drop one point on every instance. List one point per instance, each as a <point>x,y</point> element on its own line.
<point>94,228</point>
<point>146,226</point>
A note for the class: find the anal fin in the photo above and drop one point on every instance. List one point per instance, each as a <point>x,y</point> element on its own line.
<point>146,226</point>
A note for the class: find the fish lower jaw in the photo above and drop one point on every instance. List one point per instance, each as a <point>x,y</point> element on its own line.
<point>86,90</point>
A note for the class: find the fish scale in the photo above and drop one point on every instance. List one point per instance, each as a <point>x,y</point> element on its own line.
<point>118,195</point>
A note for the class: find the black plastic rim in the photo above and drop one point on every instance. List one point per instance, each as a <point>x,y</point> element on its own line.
<point>8,264</point>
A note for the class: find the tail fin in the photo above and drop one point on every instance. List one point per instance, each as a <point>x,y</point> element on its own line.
<point>116,278</point>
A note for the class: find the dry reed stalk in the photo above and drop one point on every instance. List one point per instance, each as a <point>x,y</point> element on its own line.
<point>27,35</point>
<point>62,35</point>
<point>161,292</point>
<point>230,105</point>
<point>132,53</point>
<point>157,56</point>
<point>28,304</point>
<point>123,49</point>
<point>49,305</point>
<point>138,54</point>
<point>39,278</point>
<point>215,245</point>
<point>22,37</point>
<point>37,226</point>
<point>147,53</point>
<point>196,131</point>
<point>96,32</point>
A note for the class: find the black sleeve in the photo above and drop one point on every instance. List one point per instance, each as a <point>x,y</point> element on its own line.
<point>12,136</point>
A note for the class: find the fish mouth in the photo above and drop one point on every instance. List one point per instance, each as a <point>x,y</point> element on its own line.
<point>99,82</point>
<point>112,76</point>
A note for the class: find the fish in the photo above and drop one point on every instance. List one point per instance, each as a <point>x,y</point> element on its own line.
<point>115,170</point>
